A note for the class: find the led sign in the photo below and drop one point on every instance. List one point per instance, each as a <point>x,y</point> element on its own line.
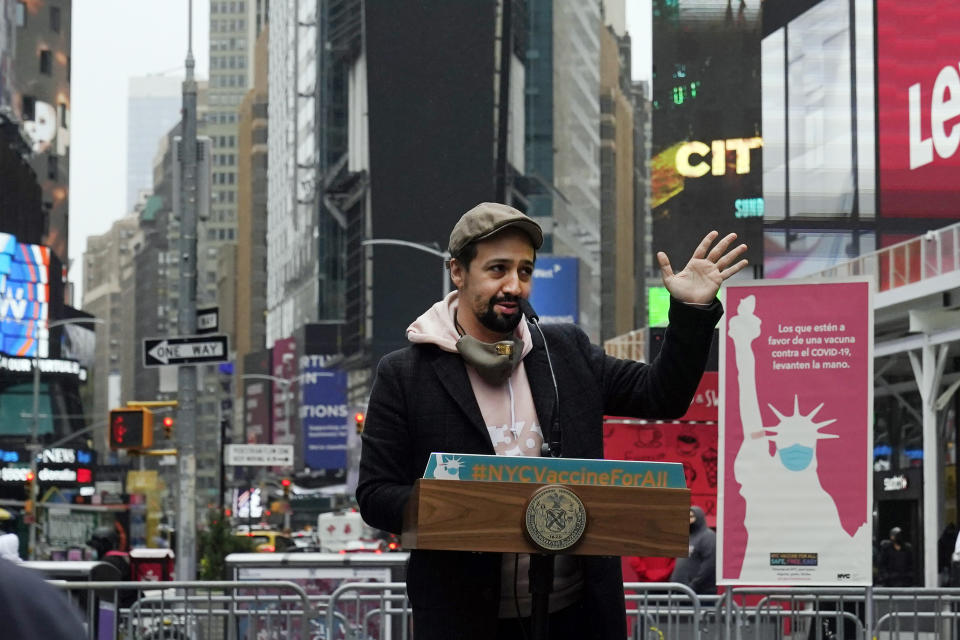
<point>691,157</point>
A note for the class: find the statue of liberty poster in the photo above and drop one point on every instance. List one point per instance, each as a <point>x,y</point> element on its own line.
<point>796,437</point>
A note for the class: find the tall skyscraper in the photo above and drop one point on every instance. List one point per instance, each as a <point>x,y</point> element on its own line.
<point>153,106</point>
<point>41,101</point>
<point>109,292</point>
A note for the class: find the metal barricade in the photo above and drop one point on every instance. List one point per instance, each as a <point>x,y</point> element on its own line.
<point>199,610</point>
<point>370,610</point>
<point>795,614</point>
<point>916,613</point>
<point>274,609</point>
<point>666,611</point>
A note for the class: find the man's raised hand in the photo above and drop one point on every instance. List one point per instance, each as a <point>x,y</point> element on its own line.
<point>700,280</point>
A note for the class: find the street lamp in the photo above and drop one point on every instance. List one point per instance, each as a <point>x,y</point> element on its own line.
<point>431,249</point>
<point>34,445</point>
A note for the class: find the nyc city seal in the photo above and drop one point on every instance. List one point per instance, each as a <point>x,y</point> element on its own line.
<point>555,518</point>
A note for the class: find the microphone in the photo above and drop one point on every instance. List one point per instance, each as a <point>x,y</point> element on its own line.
<point>553,448</point>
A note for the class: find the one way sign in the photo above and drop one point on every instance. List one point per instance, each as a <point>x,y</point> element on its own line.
<point>158,352</point>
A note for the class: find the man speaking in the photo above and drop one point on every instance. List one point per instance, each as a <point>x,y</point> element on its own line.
<point>477,380</point>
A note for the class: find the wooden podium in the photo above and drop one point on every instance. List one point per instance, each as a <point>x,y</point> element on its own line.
<point>468,515</point>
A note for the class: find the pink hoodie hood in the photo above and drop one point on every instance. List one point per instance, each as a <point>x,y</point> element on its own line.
<point>436,326</point>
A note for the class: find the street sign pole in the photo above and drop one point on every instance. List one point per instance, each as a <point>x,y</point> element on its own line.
<point>186,551</point>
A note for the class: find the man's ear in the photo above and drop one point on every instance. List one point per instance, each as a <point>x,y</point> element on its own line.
<point>456,272</point>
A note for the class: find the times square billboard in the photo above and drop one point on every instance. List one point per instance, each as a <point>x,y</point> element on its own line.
<point>918,110</point>
<point>706,150</point>
<point>24,297</point>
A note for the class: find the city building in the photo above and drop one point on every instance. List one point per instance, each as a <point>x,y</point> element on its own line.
<point>576,228</point>
<point>153,106</point>
<point>251,261</point>
<point>41,102</point>
<point>621,219</point>
<point>109,293</point>
<point>706,139</point>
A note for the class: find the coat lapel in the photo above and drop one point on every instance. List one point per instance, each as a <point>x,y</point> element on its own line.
<point>541,382</point>
<point>453,376</point>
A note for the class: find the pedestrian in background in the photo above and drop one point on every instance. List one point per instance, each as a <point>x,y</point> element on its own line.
<point>698,570</point>
<point>895,561</point>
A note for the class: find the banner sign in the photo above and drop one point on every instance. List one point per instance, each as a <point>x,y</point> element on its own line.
<point>615,473</point>
<point>692,445</point>
<point>323,414</point>
<point>917,86</point>
<point>796,438</point>
<point>554,295</point>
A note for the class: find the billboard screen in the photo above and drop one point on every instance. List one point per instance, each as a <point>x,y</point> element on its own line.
<point>918,103</point>
<point>24,297</point>
<point>555,289</point>
<point>706,146</point>
<point>323,414</point>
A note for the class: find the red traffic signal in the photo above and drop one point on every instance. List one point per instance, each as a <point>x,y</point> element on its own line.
<point>167,426</point>
<point>358,417</point>
<point>29,477</point>
<point>285,482</point>
<point>131,428</point>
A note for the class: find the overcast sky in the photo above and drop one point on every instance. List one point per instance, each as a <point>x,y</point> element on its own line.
<point>114,40</point>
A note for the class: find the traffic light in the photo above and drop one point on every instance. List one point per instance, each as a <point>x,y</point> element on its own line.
<point>285,483</point>
<point>131,428</point>
<point>168,427</point>
<point>358,417</point>
<point>28,481</point>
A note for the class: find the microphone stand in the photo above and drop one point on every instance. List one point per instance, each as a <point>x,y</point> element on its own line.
<point>542,564</point>
<point>541,585</point>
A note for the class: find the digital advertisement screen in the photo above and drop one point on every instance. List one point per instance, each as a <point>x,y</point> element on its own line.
<point>918,104</point>
<point>706,150</point>
<point>24,297</point>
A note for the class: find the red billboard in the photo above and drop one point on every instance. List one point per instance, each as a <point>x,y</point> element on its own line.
<point>918,105</point>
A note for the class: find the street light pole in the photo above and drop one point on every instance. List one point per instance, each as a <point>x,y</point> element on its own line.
<point>419,246</point>
<point>186,552</point>
<point>34,428</point>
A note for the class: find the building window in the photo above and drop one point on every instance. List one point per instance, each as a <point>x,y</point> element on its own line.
<point>55,19</point>
<point>29,107</point>
<point>64,116</point>
<point>46,62</point>
<point>21,14</point>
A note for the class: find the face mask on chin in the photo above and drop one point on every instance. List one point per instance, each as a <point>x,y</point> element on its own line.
<point>494,361</point>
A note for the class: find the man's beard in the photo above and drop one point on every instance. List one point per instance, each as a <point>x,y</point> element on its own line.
<point>500,323</point>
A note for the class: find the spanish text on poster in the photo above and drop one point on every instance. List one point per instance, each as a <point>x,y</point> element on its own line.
<point>796,383</point>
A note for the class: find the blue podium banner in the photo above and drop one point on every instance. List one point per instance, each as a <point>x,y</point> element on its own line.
<point>616,473</point>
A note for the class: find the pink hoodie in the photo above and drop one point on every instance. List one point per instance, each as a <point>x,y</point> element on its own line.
<point>507,409</point>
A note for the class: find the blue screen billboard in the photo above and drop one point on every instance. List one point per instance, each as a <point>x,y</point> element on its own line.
<point>555,289</point>
<point>24,297</point>
<point>324,414</point>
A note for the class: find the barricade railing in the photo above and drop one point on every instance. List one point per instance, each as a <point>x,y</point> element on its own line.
<point>274,609</point>
<point>196,610</point>
<point>371,610</point>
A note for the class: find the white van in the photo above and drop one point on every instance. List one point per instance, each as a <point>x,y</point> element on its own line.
<point>346,532</point>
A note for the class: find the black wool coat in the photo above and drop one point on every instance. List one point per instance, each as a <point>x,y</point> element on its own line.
<point>422,401</point>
